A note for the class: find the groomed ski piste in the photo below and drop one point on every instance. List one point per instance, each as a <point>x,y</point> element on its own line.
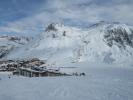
<point>103,82</point>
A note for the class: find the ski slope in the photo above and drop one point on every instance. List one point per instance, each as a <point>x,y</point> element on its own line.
<point>103,82</point>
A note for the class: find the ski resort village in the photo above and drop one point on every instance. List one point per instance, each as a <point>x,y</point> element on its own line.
<point>66,49</point>
<point>25,68</point>
<point>32,68</point>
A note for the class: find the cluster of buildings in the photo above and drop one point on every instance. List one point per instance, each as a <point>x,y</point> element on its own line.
<point>29,68</point>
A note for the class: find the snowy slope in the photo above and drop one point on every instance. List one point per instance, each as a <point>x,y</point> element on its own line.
<point>102,42</point>
<point>9,43</point>
<point>100,83</point>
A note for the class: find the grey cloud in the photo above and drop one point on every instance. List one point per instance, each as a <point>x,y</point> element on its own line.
<point>78,11</point>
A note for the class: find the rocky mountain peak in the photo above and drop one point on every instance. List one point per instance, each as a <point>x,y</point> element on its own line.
<point>120,35</point>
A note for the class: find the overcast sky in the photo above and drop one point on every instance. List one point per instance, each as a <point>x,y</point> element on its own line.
<point>30,16</point>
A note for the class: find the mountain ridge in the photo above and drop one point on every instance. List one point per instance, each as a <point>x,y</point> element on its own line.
<point>104,42</point>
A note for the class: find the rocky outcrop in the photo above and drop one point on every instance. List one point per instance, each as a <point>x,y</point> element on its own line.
<point>51,27</point>
<point>118,36</point>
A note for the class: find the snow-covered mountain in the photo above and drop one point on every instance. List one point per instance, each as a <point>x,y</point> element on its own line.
<point>101,42</point>
<point>9,43</point>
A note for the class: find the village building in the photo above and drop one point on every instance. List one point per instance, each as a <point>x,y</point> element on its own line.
<point>36,72</point>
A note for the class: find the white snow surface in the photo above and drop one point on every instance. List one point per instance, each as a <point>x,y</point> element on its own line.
<point>103,82</point>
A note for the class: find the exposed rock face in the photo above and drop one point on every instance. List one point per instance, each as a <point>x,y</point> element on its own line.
<point>118,36</point>
<point>51,27</point>
<point>4,51</point>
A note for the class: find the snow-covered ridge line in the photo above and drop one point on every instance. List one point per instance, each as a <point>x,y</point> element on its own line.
<point>59,44</point>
